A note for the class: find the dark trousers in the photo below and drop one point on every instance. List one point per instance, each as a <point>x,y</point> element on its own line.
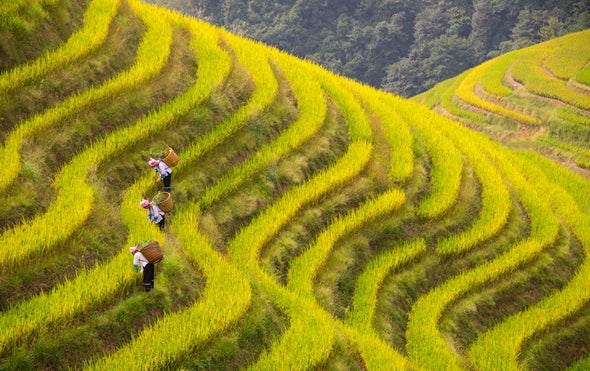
<point>167,180</point>
<point>162,223</point>
<point>148,277</point>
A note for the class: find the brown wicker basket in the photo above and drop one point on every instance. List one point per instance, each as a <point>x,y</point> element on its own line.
<point>152,252</point>
<point>171,158</point>
<point>167,204</point>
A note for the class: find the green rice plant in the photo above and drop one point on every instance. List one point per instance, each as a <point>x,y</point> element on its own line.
<point>265,91</point>
<point>527,70</point>
<point>261,98</point>
<point>198,247</point>
<point>466,92</point>
<point>432,97</point>
<point>307,349</point>
<point>12,22</point>
<point>95,286</point>
<point>493,77</point>
<point>311,335</point>
<point>575,185</point>
<point>496,349</point>
<point>225,299</point>
<point>573,116</point>
<point>583,76</point>
<point>88,289</point>
<point>97,20</point>
<point>304,269</point>
<point>250,240</point>
<point>255,105</point>
<point>369,282</point>
<point>306,343</point>
<point>568,147</point>
<point>23,6</point>
<point>395,130</point>
<point>581,365</point>
<point>495,197</point>
<point>74,196</point>
<point>259,230</point>
<point>446,170</point>
<point>358,123</point>
<point>375,353</point>
<point>312,107</point>
<point>583,162</point>
<point>310,338</point>
<point>152,55</point>
<point>427,346</point>
<point>569,55</point>
<point>450,107</point>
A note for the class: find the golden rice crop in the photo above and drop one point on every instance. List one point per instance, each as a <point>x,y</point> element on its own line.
<point>304,269</point>
<point>152,55</point>
<point>569,54</point>
<point>495,197</point>
<point>225,299</point>
<point>97,20</point>
<point>496,349</point>
<point>424,338</point>
<point>358,123</point>
<point>527,70</point>
<point>368,284</point>
<point>446,170</point>
<point>265,90</point>
<point>311,334</point>
<point>395,130</point>
<point>81,293</point>
<point>312,110</point>
<point>492,80</point>
<point>466,92</point>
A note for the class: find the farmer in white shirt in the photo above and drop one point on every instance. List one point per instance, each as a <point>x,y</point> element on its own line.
<point>140,262</point>
<point>154,213</point>
<point>164,170</point>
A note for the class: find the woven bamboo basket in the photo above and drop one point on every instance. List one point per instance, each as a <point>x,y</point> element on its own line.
<point>171,158</point>
<point>152,252</point>
<point>166,205</point>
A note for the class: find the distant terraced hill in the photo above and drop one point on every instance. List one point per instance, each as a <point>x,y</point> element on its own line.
<point>318,223</point>
<point>536,98</point>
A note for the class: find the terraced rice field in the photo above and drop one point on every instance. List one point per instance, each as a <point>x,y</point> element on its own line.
<point>537,98</point>
<point>318,223</point>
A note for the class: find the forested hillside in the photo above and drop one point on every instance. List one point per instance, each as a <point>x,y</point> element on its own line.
<point>402,46</point>
<point>317,223</point>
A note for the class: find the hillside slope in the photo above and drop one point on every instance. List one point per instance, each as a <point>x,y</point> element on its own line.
<point>405,47</point>
<point>535,98</point>
<point>23,21</point>
<point>317,223</point>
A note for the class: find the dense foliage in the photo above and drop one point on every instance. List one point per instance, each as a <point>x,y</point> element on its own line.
<point>402,46</point>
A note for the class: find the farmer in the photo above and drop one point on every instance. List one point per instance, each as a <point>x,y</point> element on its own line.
<point>154,214</point>
<point>140,262</point>
<point>164,170</point>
